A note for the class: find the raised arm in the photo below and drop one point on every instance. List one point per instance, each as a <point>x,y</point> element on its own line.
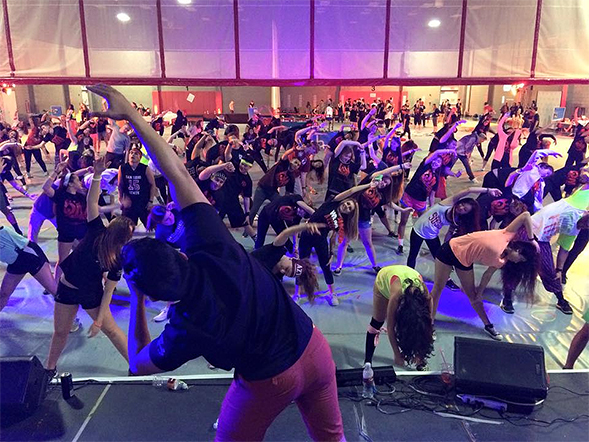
<point>283,236</point>
<point>183,188</point>
<point>500,124</point>
<point>367,118</point>
<point>450,201</point>
<point>343,144</point>
<point>438,153</point>
<point>308,209</point>
<point>47,185</point>
<point>92,208</point>
<point>206,173</point>
<point>348,193</point>
<point>451,130</point>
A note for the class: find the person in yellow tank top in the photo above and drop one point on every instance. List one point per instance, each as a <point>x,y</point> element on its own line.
<point>403,300</point>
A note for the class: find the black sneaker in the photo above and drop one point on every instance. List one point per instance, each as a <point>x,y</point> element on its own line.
<point>452,285</point>
<point>490,329</point>
<point>400,250</point>
<point>563,278</point>
<point>337,271</point>
<point>51,373</point>
<point>350,249</point>
<point>564,306</point>
<point>507,306</point>
<point>392,235</point>
<point>376,269</point>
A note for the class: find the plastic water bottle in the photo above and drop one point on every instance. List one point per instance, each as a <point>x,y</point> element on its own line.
<point>170,383</point>
<point>368,381</point>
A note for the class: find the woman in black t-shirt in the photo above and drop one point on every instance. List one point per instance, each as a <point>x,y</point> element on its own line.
<point>421,188</point>
<point>81,283</point>
<point>288,210</point>
<point>380,191</point>
<point>282,174</point>
<point>341,216</point>
<point>348,159</point>
<point>69,202</point>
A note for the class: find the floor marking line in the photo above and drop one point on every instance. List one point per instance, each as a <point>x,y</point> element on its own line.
<point>87,420</point>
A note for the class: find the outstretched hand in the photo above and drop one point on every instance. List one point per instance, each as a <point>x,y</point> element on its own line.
<point>495,193</point>
<point>119,107</point>
<point>313,228</point>
<point>100,166</point>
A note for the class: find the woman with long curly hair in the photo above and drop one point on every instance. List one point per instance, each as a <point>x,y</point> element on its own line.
<point>81,282</point>
<point>518,261</point>
<point>402,299</point>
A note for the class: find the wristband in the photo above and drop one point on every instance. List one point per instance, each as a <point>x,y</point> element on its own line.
<point>96,179</point>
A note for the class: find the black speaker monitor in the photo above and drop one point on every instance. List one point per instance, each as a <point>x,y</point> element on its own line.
<point>23,384</point>
<point>513,372</point>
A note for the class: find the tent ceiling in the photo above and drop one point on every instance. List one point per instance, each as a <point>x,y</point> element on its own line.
<point>267,42</point>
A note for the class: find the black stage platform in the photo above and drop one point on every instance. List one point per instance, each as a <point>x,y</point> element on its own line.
<point>137,411</point>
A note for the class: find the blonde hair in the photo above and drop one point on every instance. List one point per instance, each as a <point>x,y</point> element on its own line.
<point>350,220</point>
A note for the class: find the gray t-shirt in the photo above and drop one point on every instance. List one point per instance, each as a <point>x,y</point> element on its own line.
<point>118,142</point>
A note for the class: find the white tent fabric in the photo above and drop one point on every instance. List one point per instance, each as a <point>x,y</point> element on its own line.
<point>325,40</point>
<point>563,44</point>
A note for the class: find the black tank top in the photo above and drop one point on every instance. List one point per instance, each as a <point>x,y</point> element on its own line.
<point>135,184</point>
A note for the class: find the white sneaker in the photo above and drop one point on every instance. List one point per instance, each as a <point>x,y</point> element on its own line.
<point>332,300</point>
<point>474,181</point>
<point>162,316</point>
<point>75,325</point>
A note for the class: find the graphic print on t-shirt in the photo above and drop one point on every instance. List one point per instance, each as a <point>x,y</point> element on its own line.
<point>429,180</point>
<point>435,220</point>
<point>370,198</point>
<point>74,210</point>
<point>282,178</point>
<point>343,169</point>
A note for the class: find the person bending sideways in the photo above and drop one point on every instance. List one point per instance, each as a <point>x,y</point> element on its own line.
<point>229,309</point>
<point>402,299</point>
<point>518,261</point>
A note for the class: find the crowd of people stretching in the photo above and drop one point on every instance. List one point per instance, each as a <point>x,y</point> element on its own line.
<point>227,303</point>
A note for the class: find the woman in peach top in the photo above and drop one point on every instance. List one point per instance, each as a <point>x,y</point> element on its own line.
<point>518,261</point>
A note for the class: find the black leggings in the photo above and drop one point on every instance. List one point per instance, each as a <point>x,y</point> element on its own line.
<point>264,222</point>
<point>38,157</point>
<point>162,184</point>
<point>321,245</point>
<point>415,242</point>
<point>578,247</point>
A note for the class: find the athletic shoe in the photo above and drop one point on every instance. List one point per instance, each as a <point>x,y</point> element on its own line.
<point>51,373</point>
<point>162,316</point>
<point>434,335</point>
<point>563,278</point>
<point>490,329</point>
<point>350,249</point>
<point>400,250</point>
<point>564,306</point>
<point>475,181</point>
<point>422,366</point>
<point>507,306</point>
<point>332,300</point>
<point>392,235</point>
<point>376,269</point>
<point>75,325</point>
<point>337,271</point>
<point>452,285</point>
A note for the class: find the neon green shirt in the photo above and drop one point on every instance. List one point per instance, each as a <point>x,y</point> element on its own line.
<point>404,273</point>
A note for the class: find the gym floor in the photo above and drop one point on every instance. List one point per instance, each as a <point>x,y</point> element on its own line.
<point>26,323</point>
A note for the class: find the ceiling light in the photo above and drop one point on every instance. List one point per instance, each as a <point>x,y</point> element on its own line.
<point>184,2</point>
<point>434,23</point>
<point>122,16</point>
